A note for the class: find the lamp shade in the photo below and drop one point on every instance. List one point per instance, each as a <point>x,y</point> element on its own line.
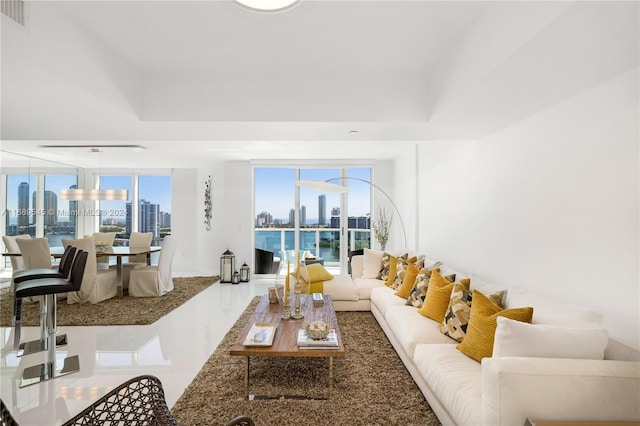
<point>95,194</point>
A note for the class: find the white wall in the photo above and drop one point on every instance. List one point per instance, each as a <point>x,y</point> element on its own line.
<point>549,203</point>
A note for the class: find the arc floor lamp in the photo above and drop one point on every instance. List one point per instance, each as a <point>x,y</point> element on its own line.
<point>327,186</point>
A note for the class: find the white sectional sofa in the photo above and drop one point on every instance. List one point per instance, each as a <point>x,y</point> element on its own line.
<point>502,390</point>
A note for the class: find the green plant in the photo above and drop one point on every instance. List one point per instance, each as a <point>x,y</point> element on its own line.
<point>381,226</point>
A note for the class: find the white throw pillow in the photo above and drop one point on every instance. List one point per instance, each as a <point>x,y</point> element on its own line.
<point>519,339</point>
<point>372,263</point>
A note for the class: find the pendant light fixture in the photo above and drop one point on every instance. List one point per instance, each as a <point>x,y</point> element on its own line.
<point>95,194</point>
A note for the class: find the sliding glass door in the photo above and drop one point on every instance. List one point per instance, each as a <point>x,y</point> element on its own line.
<point>326,225</point>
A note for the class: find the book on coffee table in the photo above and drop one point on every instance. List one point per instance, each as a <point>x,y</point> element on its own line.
<point>305,342</point>
<point>260,334</point>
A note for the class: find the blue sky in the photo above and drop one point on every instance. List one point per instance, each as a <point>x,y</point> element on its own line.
<point>275,191</point>
<point>156,189</point>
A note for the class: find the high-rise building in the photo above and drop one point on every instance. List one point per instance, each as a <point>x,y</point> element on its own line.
<point>50,208</point>
<point>129,219</point>
<point>165,220</point>
<point>149,218</point>
<point>292,217</point>
<point>322,209</point>
<point>23,204</point>
<point>335,211</point>
<point>73,209</point>
<point>303,215</point>
<point>264,219</point>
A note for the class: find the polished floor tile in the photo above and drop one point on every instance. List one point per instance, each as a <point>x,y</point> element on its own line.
<point>173,348</point>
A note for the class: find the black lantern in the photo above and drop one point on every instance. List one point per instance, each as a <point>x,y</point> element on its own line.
<point>227,266</point>
<point>244,273</point>
<point>236,278</point>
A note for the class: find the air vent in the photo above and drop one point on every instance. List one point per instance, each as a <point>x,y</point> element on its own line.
<point>14,9</point>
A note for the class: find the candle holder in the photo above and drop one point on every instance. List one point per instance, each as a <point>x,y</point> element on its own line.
<point>297,290</point>
<point>284,300</point>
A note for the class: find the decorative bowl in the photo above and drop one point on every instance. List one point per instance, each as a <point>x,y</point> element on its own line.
<point>317,330</point>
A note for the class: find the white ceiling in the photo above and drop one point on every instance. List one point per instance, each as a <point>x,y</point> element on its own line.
<point>201,81</point>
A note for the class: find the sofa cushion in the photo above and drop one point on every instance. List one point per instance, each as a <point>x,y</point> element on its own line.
<point>364,285</point>
<point>411,328</point>
<point>382,297</point>
<point>341,287</point>
<point>478,343</point>
<point>515,338</point>
<point>455,380</point>
<point>372,263</point>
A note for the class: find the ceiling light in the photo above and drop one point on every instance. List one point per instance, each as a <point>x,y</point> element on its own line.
<point>95,194</point>
<point>269,5</point>
<point>353,132</point>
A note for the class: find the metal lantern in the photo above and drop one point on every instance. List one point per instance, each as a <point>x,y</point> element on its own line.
<point>244,273</point>
<point>227,266</point>
<point>236,278</point>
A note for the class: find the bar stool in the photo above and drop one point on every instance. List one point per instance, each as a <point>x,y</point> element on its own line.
<point>48,288</point>
<point>63,271</point>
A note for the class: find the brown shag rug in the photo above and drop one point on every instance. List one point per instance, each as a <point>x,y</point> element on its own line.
<point>371,385</point>
<point>115,311</point>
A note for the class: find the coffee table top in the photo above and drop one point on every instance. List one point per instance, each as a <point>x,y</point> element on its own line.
<point>285,340</point>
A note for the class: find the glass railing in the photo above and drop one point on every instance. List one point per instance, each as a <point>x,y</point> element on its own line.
<point>320,242</point>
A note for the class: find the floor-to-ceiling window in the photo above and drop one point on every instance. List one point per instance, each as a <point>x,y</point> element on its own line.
<point>148,208</point>
<point>289,216</point>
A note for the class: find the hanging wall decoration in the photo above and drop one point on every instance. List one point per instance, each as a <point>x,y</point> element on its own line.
<point>207,204</point>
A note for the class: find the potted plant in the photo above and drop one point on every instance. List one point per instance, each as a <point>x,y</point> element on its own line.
<point>381,226</point>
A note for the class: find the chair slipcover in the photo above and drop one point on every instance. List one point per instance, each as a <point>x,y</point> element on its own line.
<point>141,240</point>
<point>150,281</point>
<point>109,238</point>
<point>36,253</point>
<point>17,263</point>
<point>97,285</point>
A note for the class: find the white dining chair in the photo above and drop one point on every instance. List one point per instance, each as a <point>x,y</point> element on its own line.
<point>36,254</point>
<point>97,284</point>
<point>136,240</point>
<point>11,246</point>
<point>155,280</point>
<point>109,238</point>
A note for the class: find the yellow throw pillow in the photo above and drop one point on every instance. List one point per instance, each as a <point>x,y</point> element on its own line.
<point>317,273</point>
<point>478,341</point>
<point>408,282</point>
<point>401,268</point>
<point>393,262</point>
<point>438,294</point>
<point>316,287</point>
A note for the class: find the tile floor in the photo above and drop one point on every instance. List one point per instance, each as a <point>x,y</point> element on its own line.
<point>174,349</point>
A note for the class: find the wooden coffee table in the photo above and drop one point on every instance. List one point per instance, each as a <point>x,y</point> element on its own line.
<point>285,340</point>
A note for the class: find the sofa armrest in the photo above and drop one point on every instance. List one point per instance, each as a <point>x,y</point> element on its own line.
<point>357,266</point>
<point>514,389</point>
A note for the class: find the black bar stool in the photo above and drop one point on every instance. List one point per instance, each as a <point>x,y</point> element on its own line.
<point>63,271</point>
<point>48,288</point>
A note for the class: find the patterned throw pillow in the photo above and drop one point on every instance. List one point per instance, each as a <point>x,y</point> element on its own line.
<point>385,267</point>
<point>456,319</point>
<point>419,291</point>
<point>409,281</point>
<point>478,343</point>
<point>401,269</point>
<point>438,295</point>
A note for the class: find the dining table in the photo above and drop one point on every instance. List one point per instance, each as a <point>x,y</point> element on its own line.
<point>119,252</point>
